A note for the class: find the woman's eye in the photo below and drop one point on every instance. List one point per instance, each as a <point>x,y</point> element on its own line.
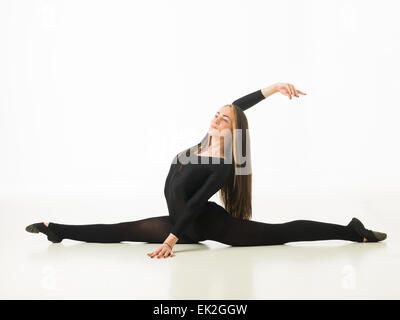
<point>225,120</point>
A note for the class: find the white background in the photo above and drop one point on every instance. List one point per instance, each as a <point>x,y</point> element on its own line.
<point>96,98</point>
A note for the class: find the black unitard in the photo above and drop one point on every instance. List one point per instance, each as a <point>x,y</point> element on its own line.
<point>193,218</point>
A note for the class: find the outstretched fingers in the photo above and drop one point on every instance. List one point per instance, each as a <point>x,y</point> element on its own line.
<point>292,91</point>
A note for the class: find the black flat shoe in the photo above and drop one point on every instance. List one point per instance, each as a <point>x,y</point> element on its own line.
<point>370,235</point>
<point>41,227</point>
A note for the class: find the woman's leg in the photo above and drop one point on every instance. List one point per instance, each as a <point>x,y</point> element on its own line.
<point>153,230</point>
<point>218,225</point>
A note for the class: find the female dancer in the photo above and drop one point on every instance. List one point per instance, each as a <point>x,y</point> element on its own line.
<point>197,173</point>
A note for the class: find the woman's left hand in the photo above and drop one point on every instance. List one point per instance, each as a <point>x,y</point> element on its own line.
<point>288,89</point>
<point>164,251</point>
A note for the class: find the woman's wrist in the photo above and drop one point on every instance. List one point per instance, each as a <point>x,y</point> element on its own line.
<point>171,240</point>
<point>267,91</point>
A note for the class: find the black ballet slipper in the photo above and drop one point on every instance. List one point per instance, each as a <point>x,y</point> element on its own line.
<point>370,235</point>
<point>41,227</point>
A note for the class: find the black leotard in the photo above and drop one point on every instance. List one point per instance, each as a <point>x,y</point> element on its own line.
<point>188,191</point>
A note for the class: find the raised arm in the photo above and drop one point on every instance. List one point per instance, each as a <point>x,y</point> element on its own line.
<point>255,97</point>
<point>249,100</point>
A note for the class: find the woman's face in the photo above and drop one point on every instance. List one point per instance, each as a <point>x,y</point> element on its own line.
<point>222,120</point>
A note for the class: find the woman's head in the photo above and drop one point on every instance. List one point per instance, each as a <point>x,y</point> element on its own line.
<point>231,126</point>
<point>223,119</point>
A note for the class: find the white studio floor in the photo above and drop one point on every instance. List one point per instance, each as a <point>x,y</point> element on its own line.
<point>33,268</point>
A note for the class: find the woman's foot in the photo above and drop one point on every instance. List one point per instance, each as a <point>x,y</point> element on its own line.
<point>368,235</point>
<point>43,227</point>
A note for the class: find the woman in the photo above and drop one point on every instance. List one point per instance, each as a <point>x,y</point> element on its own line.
<point>220,162</point>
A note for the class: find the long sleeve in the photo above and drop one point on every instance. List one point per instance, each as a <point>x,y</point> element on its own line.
<point>213,183</point>
<point>249,100</point>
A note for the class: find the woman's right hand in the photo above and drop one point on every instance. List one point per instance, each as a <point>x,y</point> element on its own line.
<point>288,89</point>
<point>164,251</point>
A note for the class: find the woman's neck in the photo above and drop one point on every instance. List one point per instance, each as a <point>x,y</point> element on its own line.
<point>215,148</point>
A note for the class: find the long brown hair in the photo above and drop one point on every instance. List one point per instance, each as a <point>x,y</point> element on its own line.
<point>236,194</point>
